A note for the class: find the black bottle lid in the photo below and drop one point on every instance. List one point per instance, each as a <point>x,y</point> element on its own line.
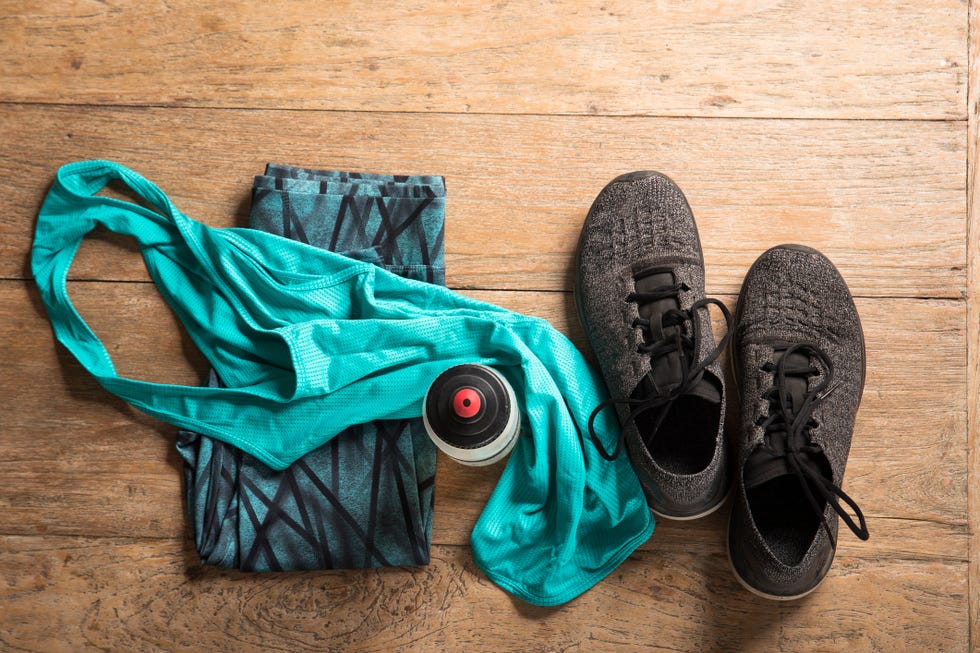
<point>468,406</point>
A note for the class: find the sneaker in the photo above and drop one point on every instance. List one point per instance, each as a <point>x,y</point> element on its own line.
<point>798,355</point>
<point>639,290</point>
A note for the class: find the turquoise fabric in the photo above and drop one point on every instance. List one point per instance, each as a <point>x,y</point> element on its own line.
<point>306,354</point>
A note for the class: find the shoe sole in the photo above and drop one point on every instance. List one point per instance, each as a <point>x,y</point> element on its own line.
<point>699,515</point>
<point>577,296</point>
<point>733,357</point>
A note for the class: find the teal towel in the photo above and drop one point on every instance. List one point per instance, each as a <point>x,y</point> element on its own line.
<point>310,342</point>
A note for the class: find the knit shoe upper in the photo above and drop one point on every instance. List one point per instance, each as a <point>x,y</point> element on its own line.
<point>798,353</point>
<point>639,289</point>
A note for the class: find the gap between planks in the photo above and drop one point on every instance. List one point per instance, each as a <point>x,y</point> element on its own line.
<point>494,114</point>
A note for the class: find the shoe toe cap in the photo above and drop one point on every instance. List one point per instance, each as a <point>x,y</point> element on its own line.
<point>641,213</point>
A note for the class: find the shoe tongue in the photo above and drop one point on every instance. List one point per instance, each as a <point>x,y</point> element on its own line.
<point>796,386</point>
<point>666,371</point>
<point>762,465</point>
<point>707,388</point>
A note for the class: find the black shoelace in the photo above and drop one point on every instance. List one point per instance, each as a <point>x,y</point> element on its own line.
<point>788,429</point>
<point>677,342</point>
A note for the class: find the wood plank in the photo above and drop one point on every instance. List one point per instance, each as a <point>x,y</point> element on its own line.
<point>141,594</point>
<point>973,320</point>
<point>757,58</point>
<point>127,493</point>
<point>78,461</point>
<point>93,551</point>
<point>884,200</point>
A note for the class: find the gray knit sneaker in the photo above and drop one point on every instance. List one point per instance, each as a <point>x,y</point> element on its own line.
<point>639,289</point>
<point>798,354</point>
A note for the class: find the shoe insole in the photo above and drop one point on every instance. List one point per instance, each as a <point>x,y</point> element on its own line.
<point>784,517</point>
<point>685,441</point>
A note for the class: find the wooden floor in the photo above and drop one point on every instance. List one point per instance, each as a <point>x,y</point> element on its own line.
<point>846,125</point>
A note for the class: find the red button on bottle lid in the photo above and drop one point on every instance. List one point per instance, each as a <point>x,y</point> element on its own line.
<point>466,403</point>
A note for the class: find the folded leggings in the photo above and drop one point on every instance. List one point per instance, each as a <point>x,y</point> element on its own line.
<point>365,498</point>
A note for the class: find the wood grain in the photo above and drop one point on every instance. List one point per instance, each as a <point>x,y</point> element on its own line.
<point>78,461</point>
<point>758,58</point>
<point>844,125</point>
<point>884,200</point>
<point>145,594</point>
<point>973,321</point>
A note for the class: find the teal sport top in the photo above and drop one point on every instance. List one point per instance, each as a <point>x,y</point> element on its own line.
<point>310,342</point>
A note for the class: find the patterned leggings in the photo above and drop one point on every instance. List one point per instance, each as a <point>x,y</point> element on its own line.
<point>365,498</point>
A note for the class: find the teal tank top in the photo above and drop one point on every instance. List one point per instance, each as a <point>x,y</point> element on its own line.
<point>310,342</point>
